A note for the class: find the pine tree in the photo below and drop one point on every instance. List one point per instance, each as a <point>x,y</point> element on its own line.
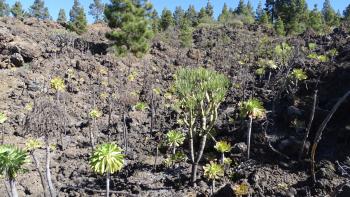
<point>241,8</point>
<point>250,9</point>
<point>74,12</point>
<point>62,16</point>
<point>225,14</point>
<point>316,20</point>
<point>347,13</point>
<point>96,10</point>
<point>209,9</point>
<point>179,13</point>
<point>293,13</point>
<point>279,27</point>
<point>78,21</point>
<point>4,9</point>
<point>46,14</point>
<point>192,15</point>
<point>166,19</point>
<point>245,11</point>
<point>185,33</point>
<point>203,16</point>
<point>17,10</point>
<point>155,21</point>
<point>38,10</point>
<point>264,19</point>
<point>270,9</point>
<point>330,16</point>
<point>131,25</point>
<point>297,16</point>
<point>259,12</point>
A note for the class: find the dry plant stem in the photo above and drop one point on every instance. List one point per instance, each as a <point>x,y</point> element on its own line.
<point>318,135</point>
<point>312,115</point>
<point>212,186</point>
<point>156,158</point>
<point>48,172</point>
<point>107,184</point>
<point>249,135</point>
<point>109,105</point>
<point>152,110</point>
<point>2,134</point>
<point>42,178</point>
<point>91,139</point>
<point>125,131</point>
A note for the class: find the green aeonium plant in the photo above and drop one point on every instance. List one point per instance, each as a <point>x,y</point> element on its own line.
<point>175,139</point>
<point>12,160</point>
<point>283,52</point>
<point>253,109</point>
<point>106,160</point>
<point>223,147</point>
<point>141,106</point>
<point>95,113</point>
<point>298,74</point>
<point>33,144</point>
<point>199,94</point>
<point>213,171</point>
<point>57,83</point>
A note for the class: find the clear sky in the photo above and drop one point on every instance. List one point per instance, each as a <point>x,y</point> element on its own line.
<point>55,5</point>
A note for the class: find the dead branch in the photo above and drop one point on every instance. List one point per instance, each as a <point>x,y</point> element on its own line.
<point>318,135</point>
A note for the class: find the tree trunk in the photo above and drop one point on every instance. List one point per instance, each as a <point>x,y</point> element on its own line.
<point>48,172</point>
<point>201,149</point>
<point>249,135</point>
<point>199,157</point>
<point>42,178</point>
<point>107,184</point>
<point>194,174</point>
<point>13,188</point>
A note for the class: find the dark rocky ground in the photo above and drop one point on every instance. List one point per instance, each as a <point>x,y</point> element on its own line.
<point>32,52</point>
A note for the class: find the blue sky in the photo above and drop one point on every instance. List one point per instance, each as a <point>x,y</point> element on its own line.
<point>55,5</point>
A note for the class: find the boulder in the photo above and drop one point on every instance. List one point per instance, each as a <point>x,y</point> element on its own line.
<point>240,148</point>
<point>27,49</point>
<point>17,59</point>
<point>226,191</point>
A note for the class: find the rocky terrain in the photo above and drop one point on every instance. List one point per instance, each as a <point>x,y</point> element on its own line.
<point>32,52</point>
